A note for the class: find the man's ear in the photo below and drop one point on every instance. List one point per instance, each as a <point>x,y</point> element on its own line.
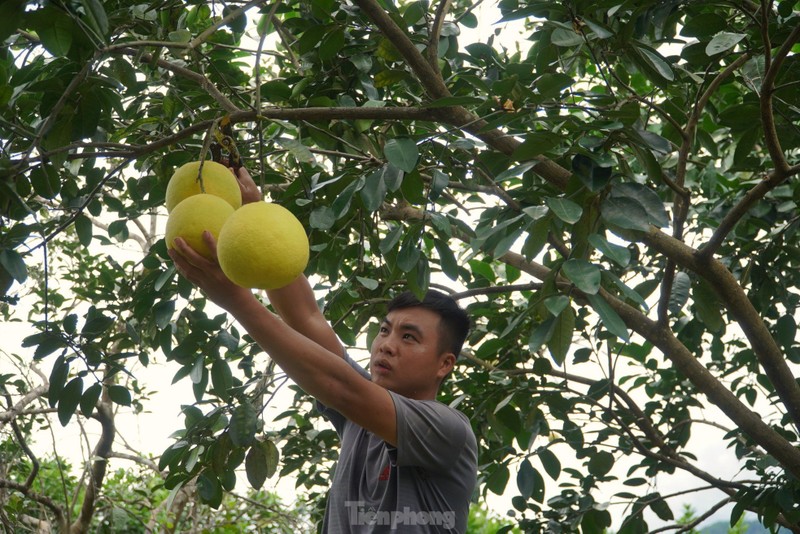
<point>446,363</point>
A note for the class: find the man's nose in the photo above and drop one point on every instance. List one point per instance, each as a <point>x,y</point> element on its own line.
<point>386,345</point>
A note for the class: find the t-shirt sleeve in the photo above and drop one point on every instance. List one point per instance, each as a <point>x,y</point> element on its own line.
<point>337,419</point>
<point>429,434</point>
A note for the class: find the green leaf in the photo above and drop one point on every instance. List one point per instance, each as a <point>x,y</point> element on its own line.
<point>297,149</point>
<point>96,17</point>
<point>624,212</point>
<point>255,464</point>
<point>611,320</point>
<point>566,210</point>
<point>526,479</point>
<point>119,394</point>
<point>180,36</point>
<point>389,242</point>
<point>551,85</point>
<point>369,283</point>
<point>69,399</point>
<point>402,153</point>
<point>657,62</point>
<point>331,44</point>
<point>89,399</point>
<point>722,42</point>
<point>11,16</point>
<point>786,331</point>
<point>447,259</point>
<point>323,218</point>
<point>54,27</point>
<point>58,377</point>
<point>600,463</point>
<point>83,227</point>
<point>561,339</point>
<point>13,263</point>
<point>374,191</point>
<point>550,462</point>
<point>408,257</point>
<point>45,181</point>
<point>261,462</point>
<point>708,307</point>
<point>679,295</point>
<point>439,181</point>
<point>243,424</point>
<point>542,334</point>
<point>660,507</point>
<point>496,483</point>
<point>585,275</point>
<point>591,173</point>
<point>616,253</point>
<point>535,144</point>
<point>221,378</point>
<point>209,489</point>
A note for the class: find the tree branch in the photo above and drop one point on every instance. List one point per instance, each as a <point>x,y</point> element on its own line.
<point>739,306</point>
<point>459,116</point>
<point>773,66</point>
<point>105,415</point>
<point>683,360</point>
<point>41,499</point>
<point>17,409</point>
<point>770,182</point>
<point>201,80</point>
<point>435,32</point>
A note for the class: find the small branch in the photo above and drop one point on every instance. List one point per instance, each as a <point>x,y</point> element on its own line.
<point>208,32</point>
<point>435,32</point>
<point>496,290</point>
<point>41,499</point>
<point>18,408</point>
<point>198,78</point>
<point>770,182</point>
<point>773,66</point>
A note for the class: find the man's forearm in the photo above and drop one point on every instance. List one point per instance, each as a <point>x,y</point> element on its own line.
<point>297,306</point>
<point>318,371</point>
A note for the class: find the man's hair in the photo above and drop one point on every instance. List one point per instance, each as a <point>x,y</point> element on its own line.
<point>454,322</point>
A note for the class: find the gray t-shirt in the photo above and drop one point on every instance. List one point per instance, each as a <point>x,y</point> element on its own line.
<point>423,485</point>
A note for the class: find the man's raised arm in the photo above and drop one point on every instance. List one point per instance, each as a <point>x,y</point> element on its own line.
<point>297,306</point>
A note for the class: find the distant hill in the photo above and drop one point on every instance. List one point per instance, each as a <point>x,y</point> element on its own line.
<point>722,527</point>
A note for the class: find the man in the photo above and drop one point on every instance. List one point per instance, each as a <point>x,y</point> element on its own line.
<point>407,462</point>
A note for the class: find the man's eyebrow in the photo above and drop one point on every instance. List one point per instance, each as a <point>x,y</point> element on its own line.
<point>409,327</point>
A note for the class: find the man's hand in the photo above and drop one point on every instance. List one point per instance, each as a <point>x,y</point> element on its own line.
<point>250,191</point>
<point>207,274</point>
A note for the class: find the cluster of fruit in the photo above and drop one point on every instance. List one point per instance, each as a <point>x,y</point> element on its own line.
<point>260,245</point>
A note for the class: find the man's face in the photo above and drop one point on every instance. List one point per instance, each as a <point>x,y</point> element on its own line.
<point>406,356</point>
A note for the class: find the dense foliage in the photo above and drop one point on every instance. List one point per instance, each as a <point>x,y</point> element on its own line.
<point>612,192</point>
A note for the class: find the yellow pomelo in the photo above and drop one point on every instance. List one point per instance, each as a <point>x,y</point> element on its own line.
<point>262,245</point>
<point>217,180</point>
<point>194,215</point>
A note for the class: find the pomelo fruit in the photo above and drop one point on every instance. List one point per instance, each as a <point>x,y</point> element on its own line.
<point>192,216</point>
<point>262,246</point>
<point>217,180</point>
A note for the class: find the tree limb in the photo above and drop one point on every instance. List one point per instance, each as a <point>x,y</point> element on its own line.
<point>435,32</point>
<point>683,360</point>
<point>41,499</point>
<point>459,116</point>
<point>105,415</point>
<point>773,66</point>
<point>733,296</point>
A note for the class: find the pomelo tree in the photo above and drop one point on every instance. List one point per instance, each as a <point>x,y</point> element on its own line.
<point>609,186</point>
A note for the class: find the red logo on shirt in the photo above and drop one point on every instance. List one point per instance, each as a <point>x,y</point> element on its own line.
<point>384,474</point>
